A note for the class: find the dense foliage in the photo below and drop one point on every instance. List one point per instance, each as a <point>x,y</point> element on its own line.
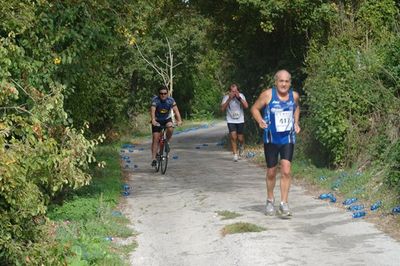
<point>352,86</point>
<point>41,152</point>
<point>261,36</point>
<point>40,156</point>
<point>67,65</point>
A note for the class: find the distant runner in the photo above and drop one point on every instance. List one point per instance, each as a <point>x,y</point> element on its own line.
<point>233,103</point>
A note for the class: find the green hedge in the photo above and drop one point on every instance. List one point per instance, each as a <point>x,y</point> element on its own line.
<point>353,96</point>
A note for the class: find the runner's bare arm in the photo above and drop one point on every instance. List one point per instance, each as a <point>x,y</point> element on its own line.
<point>224,105</point>
<point>244,103</point>
<point>262,100</point>
<point>297,112</point>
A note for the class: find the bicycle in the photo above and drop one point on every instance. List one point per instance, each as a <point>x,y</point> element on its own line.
<point>163,151</point>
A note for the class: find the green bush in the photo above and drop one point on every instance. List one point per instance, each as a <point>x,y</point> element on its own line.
<point>351,87</point>
<point>50,53</point>
<point>40,156</point>
<point>393,177</point>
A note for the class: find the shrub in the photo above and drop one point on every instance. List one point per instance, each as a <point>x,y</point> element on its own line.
<point>351,91</point>
<point>40,156</point>
<point>393,177</point>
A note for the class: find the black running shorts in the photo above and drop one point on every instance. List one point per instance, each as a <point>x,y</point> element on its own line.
<point>238,128</point>
<point>272,151</point>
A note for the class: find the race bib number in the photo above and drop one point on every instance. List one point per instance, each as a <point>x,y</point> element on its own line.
<point>235,115</point>
<point>284,121</point>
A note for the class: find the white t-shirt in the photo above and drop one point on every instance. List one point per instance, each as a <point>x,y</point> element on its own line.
<point>234,111</point>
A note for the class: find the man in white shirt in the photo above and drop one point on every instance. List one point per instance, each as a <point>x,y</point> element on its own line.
<point>233,103</point>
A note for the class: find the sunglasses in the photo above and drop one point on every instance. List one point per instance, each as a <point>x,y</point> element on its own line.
<point>163,93</point>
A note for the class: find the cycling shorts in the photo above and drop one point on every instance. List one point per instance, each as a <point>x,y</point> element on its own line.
<point>162,123</point>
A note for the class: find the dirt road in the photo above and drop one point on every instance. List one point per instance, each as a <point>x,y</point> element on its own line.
<point>175,215</point>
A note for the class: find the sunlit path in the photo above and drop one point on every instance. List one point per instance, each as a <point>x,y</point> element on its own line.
<point>175,215</point>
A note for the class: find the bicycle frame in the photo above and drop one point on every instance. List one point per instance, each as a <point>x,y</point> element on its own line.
<point>163,150</point>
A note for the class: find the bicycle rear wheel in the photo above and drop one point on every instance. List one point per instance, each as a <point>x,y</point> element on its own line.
<point>164,158</point>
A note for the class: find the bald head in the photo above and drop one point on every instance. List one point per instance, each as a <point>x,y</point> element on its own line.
<point>285,74</point>
<point>283,81</point>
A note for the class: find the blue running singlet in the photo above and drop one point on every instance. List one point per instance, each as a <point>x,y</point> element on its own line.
<point>279,116</point>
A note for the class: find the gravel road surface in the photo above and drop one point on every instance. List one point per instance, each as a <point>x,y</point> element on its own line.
<point>177,224</point>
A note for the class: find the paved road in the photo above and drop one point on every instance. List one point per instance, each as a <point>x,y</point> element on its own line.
<point>175,215</point>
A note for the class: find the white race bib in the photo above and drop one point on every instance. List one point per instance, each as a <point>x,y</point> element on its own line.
<point>235,115</point>
<point>283,121</point>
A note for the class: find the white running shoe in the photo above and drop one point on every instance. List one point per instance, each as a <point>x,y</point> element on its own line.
<point>235,157</point>
<point>270,208</point>
<point>284,210</point>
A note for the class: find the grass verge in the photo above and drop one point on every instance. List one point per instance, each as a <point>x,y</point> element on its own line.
<point>366,185</point>
<point>87,225</point>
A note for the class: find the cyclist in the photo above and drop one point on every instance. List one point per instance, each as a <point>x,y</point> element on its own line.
<point>161,115</point>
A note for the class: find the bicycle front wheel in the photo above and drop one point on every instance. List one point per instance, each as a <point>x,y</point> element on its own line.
<point>158,160</point>
<point>164,158</point>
